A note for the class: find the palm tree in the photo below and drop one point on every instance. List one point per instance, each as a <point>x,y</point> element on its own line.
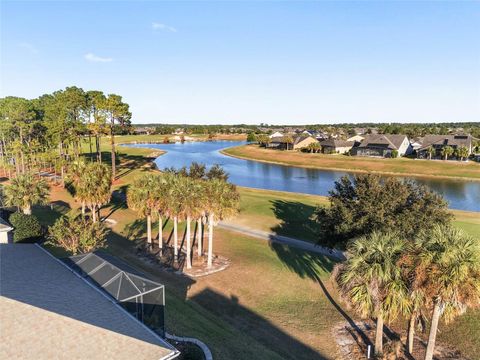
<point>76,173</point>
<point>447,151</point>
<point>314,147</point>
<point>94,187</point>
<point>160,203</point>
<point>461,152</point>
<point>431,151</point>
<point>221,202</point>
<point>288,139</point>
<point>141,197</point>
<point>371,280</point>
<point>25,191</point>
<point>447,269</point>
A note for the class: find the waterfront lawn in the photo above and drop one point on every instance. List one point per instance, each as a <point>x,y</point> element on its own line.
<point>400,166</point>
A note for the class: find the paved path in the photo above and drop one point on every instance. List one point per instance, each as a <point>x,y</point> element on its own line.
<point>296,243</point>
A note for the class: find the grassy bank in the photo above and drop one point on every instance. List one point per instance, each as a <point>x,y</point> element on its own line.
<point>400,166</point>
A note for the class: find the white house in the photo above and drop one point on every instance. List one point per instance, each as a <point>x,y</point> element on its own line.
<point>276,134</point>
<point>5,231</point>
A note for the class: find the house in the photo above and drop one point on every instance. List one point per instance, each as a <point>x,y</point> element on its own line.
<point>50,312</point>
<point>383,145</point>
<point>276,134</point>
<point>438,142</point>
<point>5,231</point>
<point>303,141</point>
<point>356,138</point>
<point>143,131</point>
<point>334,146</point>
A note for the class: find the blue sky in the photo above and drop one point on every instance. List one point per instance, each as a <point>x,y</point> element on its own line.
<point>252,62</point>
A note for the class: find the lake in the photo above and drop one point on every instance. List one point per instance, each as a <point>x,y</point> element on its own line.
<point>462,195</point>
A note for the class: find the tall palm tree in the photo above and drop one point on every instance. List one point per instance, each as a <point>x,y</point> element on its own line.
<point>461,152</point>
<point>288,141</point>
<point>446,268</point>
<point>371,281</point>
<point>25,191</point>
<point>431,151</point>
<point>221,202</point>
<point>95,187</point>
<point>160,203</point>
<point>141,197</point>
<point>76,174</point>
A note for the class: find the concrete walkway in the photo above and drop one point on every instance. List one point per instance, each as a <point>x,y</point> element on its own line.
<point>284,240</point>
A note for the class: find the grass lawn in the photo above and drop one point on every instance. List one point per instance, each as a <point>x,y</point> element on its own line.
<point>400,166</point>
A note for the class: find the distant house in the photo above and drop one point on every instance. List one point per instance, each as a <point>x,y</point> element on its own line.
<point>334,146</point>
<point>5,231</point>
<point>356,138</point>
<point>143,131</point>
<point>303,141</point>
<point>299,142</point>
<point>383,145</point>
<point>276,134</point>
<point>438,142</point>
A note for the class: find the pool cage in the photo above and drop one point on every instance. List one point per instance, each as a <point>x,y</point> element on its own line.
<point>143,298</point>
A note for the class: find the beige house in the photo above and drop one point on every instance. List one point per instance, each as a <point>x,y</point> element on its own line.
<point>303,141</point>
<point>5,231</point>
<point>333,146</point>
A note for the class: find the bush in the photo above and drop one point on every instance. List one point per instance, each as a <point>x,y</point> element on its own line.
<point>394,154</point>
<point>27,228</point>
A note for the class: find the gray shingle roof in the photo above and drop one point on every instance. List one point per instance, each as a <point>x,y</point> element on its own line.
<point>383,140</point>
<point>5,226</point>
<point>337,143</point>
<point>50,313</point>
<point>450,140</point>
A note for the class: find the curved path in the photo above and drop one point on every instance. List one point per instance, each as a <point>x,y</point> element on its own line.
<point>284,240</point>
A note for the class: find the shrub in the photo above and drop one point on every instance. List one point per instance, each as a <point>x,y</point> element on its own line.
<point>394,154</point>
<point>77,234</point>
<point>27,228</point>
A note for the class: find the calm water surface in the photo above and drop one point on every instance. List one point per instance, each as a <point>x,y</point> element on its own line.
<point>463,195</point>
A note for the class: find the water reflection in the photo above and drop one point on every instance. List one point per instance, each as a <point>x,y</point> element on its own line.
<point>462,195</point>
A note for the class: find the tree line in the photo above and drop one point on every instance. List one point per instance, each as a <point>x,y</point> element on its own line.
<point>47,132</point>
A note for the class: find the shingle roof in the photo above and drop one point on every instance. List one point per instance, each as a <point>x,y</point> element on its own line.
<point>385,140</point>
<point>50,313</point>
<point>450,140</point>
<point>336,143</point>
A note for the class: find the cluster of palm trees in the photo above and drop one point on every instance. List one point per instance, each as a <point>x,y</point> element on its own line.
<point>386,276</point>
<point>183,198</point>
<point>26,190</point>
<point>460,152</point>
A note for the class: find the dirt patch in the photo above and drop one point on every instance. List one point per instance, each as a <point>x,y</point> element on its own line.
<point>353,344</point>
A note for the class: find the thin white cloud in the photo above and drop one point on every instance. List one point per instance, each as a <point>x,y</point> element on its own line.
<point>159,26</point>
<point>29,47</point>
<point>94,58</point>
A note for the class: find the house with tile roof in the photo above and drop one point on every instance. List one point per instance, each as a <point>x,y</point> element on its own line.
<point>438,142</point>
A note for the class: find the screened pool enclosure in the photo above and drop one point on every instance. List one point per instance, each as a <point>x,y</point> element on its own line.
<point>143,298</point>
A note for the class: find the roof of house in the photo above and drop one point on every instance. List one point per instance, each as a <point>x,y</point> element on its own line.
<point>337,143</point>
<point>303,137</point>
<point>383,140</point>
<point>49,312</point>
<point>5,226</point>
<point>450,140</point>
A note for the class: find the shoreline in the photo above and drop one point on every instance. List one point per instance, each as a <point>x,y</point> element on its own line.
<point>387,173</point>
<point>163,152</point>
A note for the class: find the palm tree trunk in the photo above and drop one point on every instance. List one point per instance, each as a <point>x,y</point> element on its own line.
<point>112,143</point>
<point>149,229</point>
<point>27,210</point>
<point>411,334</point>
<point>97,144</point>
<point>189,258</point>
<point>433,331</point>
<point>379,335</point>
<point>175,238</point>
<point>160,233</point>
<point>210,241</point>
<point>83,208</point>
<point>94,214</point>
<point>199,237</point>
